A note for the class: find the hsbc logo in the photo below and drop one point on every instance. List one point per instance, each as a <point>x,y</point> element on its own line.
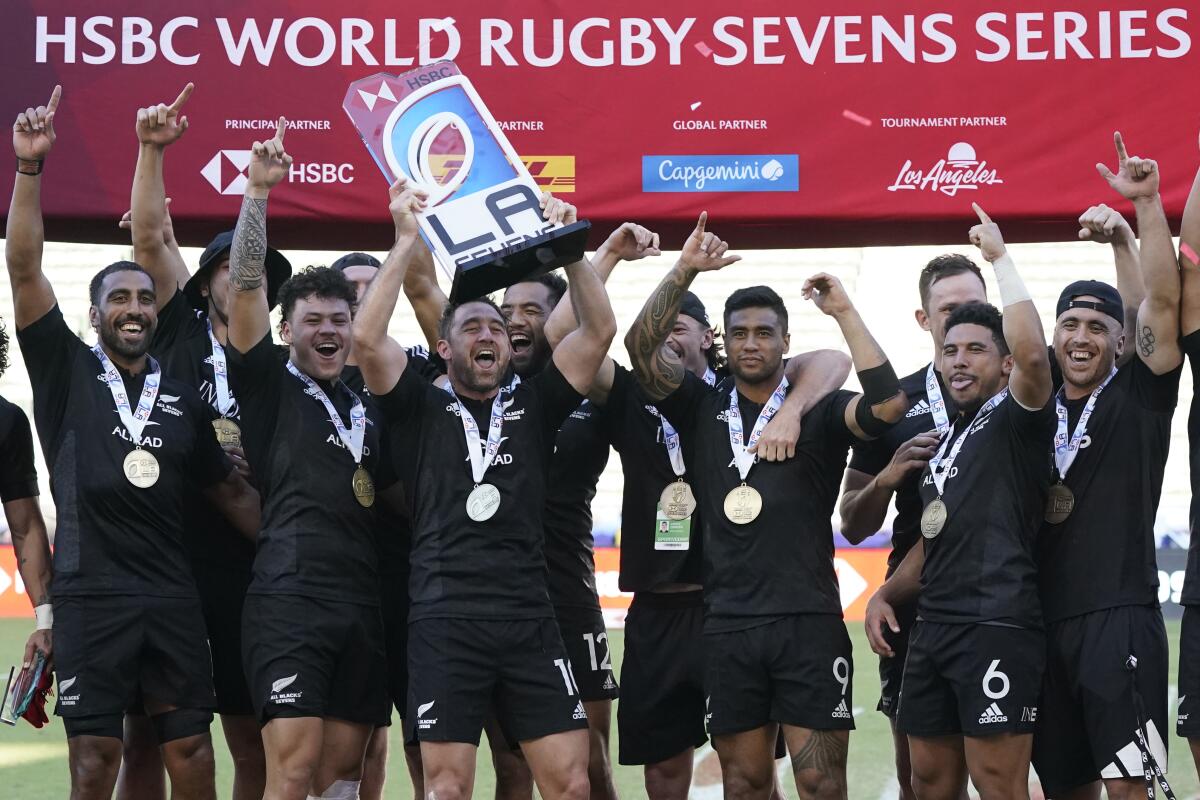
<point>227,172</point>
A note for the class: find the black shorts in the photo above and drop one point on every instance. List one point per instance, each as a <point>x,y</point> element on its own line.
<point>586,640</point>
<point>661,713</point>
<point>971,679</point>
<point>309,657</point>
<point>461,669</point>
<point>222,596</point>
<point>795,670</point>
<point>891,668</point>
<point>1087,725</point>
<point>112,651</point>
<point>1187,719</point>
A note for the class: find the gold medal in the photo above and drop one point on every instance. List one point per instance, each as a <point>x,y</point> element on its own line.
<point>933,519</point>
<point>228,432</point>
<point>141,468</point>
<point>743,505</point>
<point>1060,502</point>
<point>364,487</point>
<point>677,500</point>
<point>482,502</point>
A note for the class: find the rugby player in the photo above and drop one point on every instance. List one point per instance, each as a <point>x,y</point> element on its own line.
<point>190,341</point>
<point>777,649</point>
<point>1103,712</point>
<point>313,637</point>
<point>130,624</point>
<point>973,672</point>
<point>482,631</point>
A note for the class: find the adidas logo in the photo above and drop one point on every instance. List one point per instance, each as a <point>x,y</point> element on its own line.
<point>609,683</point>
<point>992,714</point>
<point>841,712</point>
<point>579,712</point>
<point>920,408</point>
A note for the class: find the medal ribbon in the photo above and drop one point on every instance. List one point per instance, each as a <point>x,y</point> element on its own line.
<point>937,405</point>
<point>482,458</point>
<point>352,438</point>
<point>1066,449</point>
<point>133,420</point>
<point>940,475</point>
<point>741,455</point>
<point>671,437</point>
<point>220,374</point>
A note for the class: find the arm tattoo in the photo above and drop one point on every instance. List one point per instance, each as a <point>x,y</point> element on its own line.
<point>1145,341</point>
<point>824,752</point>
<point>248,255</point>
<point>658,369</point>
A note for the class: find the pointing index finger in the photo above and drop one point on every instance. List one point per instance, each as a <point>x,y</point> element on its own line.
<point>280,128</point>
<point>183,96</point>
<point>1122,156</point>
<point>54,98</point>
<point>983,217</point>
<point>700,223</point>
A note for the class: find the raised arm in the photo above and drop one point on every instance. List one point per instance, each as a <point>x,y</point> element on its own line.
<point>811,375</point>
<point>380,357</point>
<point>629,242</point>
<point>1030,381</point>
<point>584,350</point>
<point>24,236</point>
<point>157,127</point>
<point>1157,333</point>
<point>881,403</point>
<point>249,316</point>
<point>1106,225</point>
<point>1189,260</point>
<point>423,292</point>
<point>658,369</point>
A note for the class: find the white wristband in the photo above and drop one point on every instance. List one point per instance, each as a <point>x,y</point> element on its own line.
<point>44,614</point>
<point>1008,280</point>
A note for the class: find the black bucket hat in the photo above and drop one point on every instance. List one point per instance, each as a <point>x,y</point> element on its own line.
<point>279,269</point>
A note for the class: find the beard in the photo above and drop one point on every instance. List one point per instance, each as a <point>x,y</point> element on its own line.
<point>111,338</point>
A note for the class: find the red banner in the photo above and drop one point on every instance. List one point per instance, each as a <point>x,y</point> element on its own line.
<point>835,123</point>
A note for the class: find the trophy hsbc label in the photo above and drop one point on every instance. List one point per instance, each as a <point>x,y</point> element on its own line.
<point>483,221</point>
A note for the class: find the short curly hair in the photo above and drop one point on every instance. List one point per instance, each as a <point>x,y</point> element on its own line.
<point>115,267</point>
<point>324,282</point>
<point>984,314</point>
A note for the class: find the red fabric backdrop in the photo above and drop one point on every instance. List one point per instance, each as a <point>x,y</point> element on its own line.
<point>853,91</point>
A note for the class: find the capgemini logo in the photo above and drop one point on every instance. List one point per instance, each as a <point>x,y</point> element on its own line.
<point>420,157</point>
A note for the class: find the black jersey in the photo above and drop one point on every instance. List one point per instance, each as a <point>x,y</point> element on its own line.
<point>182,346</point>
<point>1102,556</point>
<point>580,455</point>
<point>1191,583</point>
<point>18,475</point>
<point>872,457</point>
<point>316,539</point>
<point>782,562</point>
<point>633,426</point>
<point>113,537</point>
<point>980,567</point>
<point>494,569</point>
